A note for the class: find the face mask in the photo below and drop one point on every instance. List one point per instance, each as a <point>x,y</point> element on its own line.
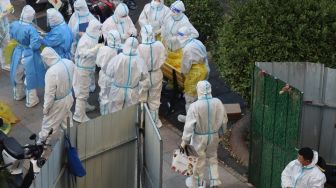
<point>157,3</point>
<point>176,16</point>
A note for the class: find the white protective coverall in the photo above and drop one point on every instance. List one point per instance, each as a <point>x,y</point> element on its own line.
<point>194,55</point>
<point>82,16</point>
<point>104,56</point>
<point>85,60</point>
<point>5,8</point>
<point>173,22</point>
<point>121,22</point>
<point>129,76</point>
<point>206,119</point>
<point>58,97</point>
<point>27,68</point>
<point>297,176</point>
<point>154,54</point>
<point>154,14</point>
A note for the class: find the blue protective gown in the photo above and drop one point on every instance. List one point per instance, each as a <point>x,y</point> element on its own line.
<point>28,48</point>
<point>60,39</point>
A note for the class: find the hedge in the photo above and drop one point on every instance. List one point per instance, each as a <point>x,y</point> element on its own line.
<point>264,30</point>
<point>277,31</point>
<point>205,15</point>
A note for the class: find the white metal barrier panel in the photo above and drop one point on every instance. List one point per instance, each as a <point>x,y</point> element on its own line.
<point>153,153</point>
<point>107,147</point>
<point>53,174</point>
<point>110,151</point>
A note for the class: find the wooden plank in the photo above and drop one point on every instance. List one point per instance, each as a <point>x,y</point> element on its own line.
<point>168,70</point>
<point>233,111</point>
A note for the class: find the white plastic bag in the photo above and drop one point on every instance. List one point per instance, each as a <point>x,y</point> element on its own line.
<point>182,163</point>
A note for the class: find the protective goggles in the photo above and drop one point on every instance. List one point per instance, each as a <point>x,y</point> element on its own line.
<point>175,10</point>
<point>180,34</point>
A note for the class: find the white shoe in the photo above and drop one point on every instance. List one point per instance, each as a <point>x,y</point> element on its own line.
<point>32,104</point>
<point>89,108</point>
<point>80,120</point>
<point>191,184</point>
<point>181,118</point>
<point>31,98</point>
<point>19,92</point>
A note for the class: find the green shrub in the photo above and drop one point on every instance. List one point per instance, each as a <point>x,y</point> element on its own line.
<point>206,17</point>
<point>274,30</point>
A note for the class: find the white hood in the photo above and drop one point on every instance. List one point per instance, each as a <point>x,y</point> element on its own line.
<point>27,14</point>
<point>203,89</point>
<point>114,39</point>
<point>81,7</point>
<point>54,17</point>
<point>147,34</point>
<point>178,6</point>
<point>121,11</point>
<point>50,56</point>
<point>94,29</point>
<point>130,46</point>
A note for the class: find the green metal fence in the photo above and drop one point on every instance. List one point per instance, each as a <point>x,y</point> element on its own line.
<point>275,127</point>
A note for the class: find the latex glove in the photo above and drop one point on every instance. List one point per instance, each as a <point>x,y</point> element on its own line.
<point>81,34</point>
<point>182,146</point>
<point>134,32</point>
<point>157,31</point>
<point>10,8</point>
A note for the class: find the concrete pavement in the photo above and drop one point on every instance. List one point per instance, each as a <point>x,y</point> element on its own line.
<point>171,137</point>
<point>31,119</point>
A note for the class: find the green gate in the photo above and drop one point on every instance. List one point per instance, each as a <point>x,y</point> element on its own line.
<point>275,127</point>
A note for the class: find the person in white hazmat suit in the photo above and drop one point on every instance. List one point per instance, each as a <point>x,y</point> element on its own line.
<point>121,22</point>
<point>78,22</point>
<point>194,65</point>
<point>154,14</point>
<point>58,98</point>
<point>85,60</point>
<point>104,56</point>
<point>154,54</point>
<point>5,8</point>
<point>175,20</point>
<point>129,76</point>
<point>205,123</point>
<point>303,172</point>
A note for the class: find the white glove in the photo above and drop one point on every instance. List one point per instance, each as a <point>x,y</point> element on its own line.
<point>125,36</point>
<point>45,111</point>
<point>96,47</point>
